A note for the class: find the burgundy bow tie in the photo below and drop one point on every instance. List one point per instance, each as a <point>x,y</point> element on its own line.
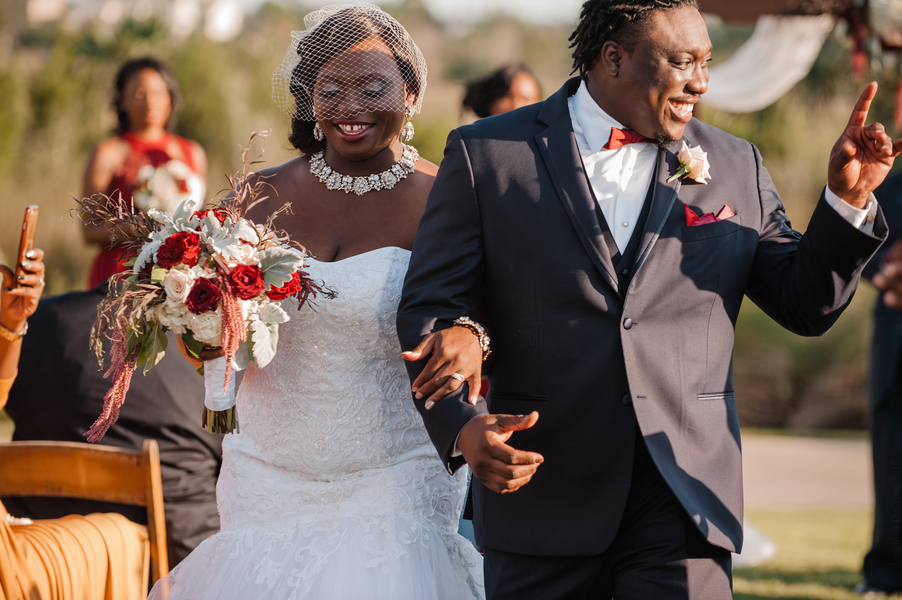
<point>622,137</point>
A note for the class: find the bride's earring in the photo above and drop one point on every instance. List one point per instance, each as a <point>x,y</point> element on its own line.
<point>407,131</point>
<point>318,132</point>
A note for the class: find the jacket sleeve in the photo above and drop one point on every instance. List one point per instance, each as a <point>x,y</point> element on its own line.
<point>445,280</point>
<point>804,282</point>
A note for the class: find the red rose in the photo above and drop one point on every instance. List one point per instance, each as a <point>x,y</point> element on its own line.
<point>247,281</point>
<point>289,289</point>
<point>181,247</point>
<point>203,297</point>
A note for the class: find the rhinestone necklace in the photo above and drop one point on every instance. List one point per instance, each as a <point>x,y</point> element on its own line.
<point>385,180</point>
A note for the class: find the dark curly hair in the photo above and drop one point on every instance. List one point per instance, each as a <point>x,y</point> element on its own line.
<point>132,68</point>
<point>338,33</point>
<point>482,93</point>
<point>615,20</point>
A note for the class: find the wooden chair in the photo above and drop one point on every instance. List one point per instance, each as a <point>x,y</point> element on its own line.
<point>91,472</point>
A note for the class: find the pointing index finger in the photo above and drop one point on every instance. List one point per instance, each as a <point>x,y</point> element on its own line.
<point>860,113</point>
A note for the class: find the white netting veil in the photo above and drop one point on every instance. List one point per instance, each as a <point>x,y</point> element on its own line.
<point>350,59</point>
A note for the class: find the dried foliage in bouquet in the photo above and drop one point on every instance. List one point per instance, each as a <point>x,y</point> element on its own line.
<point>212,276</point>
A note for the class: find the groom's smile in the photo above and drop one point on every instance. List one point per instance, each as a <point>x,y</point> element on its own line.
<point>650,79</point>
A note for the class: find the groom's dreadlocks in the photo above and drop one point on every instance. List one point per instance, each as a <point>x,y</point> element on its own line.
<point>617,20</point>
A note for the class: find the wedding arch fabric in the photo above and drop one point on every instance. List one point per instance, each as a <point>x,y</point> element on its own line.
<point>778,55</point>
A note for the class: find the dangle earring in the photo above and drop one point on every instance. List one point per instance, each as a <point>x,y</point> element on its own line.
<point>318,132</point>
<point>407,131</point>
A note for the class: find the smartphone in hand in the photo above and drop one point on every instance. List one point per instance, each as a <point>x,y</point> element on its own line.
<point>26,242</point>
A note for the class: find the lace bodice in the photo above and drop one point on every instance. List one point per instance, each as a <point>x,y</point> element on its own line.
<point>335,401</point>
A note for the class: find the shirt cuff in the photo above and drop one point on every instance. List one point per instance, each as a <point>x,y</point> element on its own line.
<point>455,452</point>
<point>860,218</point>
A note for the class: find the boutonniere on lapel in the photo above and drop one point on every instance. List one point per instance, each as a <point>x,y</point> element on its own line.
<point>693,164</point>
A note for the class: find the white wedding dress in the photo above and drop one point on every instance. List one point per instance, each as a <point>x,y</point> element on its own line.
<point>332,489</point>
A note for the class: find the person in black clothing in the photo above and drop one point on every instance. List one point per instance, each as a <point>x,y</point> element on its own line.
<point>59,392</point>
<point>883,563</point>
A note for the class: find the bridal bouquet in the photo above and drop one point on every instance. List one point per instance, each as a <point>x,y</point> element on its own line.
<point>211,276</point>
<point>166,186</point>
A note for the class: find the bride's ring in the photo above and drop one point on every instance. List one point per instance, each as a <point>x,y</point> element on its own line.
<point>458,377</point>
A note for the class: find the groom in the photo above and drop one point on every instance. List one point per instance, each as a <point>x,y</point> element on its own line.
<point>610,290</point>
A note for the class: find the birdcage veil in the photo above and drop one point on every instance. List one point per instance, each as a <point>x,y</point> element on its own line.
<point>350,59</point>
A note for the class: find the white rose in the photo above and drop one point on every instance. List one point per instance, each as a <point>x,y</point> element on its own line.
<point>207,328</point>
<point>177,284</point>
<point>696,161</point>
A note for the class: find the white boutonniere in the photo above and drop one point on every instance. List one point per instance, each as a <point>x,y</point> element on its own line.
<point>693,164</point>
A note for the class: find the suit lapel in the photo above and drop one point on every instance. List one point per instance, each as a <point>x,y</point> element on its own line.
<point>662,201</point>
<point>557,145</point>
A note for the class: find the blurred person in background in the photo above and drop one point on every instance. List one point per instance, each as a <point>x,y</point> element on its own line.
<point>68,558</point>
<point>883,563</point>
<point>504,90</point>
<point>59,392</point>
<point>143,162</point>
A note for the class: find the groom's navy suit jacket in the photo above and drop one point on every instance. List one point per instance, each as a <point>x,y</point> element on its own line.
<point>511,228</point>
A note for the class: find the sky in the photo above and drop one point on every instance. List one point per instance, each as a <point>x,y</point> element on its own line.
<point>535,11</point>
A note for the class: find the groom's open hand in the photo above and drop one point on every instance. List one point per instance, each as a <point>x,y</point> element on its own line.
<point>862,156</point>
<point>498,466</point>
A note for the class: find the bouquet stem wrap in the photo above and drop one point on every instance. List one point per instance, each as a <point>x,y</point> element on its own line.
<point>219,415</point>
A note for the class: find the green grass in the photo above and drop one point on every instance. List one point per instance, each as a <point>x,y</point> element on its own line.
<point>824,434</point>
<point>819,555</point>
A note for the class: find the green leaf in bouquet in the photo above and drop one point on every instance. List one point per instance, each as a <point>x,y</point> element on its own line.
<point>158,274</point>
<point>266,338</point>
<point>243,355</point>
<point>134,339</point>
<point>272,314</point>
<point>153,347</point>
<point>194,347</point>
<point>279,264</point>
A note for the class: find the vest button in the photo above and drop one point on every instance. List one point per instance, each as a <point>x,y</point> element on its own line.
<point>627,400</point>
<point>625,272</point>
<point>627,323</point>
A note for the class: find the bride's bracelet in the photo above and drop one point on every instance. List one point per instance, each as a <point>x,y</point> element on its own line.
<point>482,337</point>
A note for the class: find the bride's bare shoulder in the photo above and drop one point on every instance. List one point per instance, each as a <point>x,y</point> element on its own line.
<point>282,175</point>
<point>278,185</point>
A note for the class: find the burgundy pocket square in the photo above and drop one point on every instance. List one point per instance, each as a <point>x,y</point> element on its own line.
<point>693,220</point>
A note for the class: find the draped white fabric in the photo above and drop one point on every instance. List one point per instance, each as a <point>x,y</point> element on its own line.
<point>778,55</point>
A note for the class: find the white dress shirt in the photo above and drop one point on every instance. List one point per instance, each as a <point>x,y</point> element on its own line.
<point>620,178</point>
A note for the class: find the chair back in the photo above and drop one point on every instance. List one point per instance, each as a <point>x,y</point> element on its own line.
<point>91,472</point>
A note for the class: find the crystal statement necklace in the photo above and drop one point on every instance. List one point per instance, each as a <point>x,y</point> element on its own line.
<point>385,180</point>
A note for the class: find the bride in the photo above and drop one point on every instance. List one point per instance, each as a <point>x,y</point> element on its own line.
<point>332,489</point>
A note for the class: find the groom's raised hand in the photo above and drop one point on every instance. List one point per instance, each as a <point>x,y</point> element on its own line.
<point>498,466</point>
<point>862,156</point>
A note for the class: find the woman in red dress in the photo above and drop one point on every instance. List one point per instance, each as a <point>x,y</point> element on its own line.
<point>143,163</point>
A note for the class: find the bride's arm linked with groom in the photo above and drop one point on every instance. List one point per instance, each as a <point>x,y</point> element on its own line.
<point>610,430</point>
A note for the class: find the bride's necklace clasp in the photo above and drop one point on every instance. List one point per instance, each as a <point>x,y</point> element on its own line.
<point>385,180</point>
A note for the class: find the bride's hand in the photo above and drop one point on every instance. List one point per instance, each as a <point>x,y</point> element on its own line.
<point>455,351</point>
<point>208,353</point>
